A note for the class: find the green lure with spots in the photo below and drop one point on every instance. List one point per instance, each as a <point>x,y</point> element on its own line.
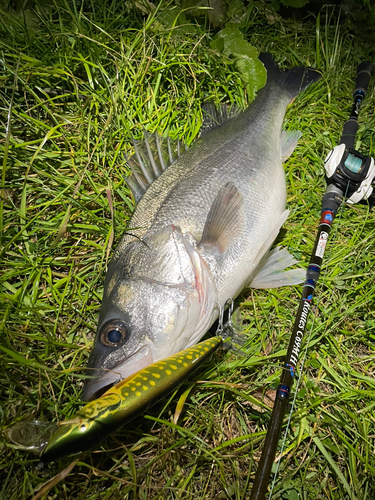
<point>125,400</point>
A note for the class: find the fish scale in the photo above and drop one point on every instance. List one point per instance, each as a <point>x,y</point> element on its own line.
<point>125,401</point>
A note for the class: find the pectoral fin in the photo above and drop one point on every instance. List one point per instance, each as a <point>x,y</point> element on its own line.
<point>225,218</point>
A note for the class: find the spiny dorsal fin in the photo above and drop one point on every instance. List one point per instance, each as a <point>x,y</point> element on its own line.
<point>151,157</point>
<point>224,219</point>
<point>214,117</point>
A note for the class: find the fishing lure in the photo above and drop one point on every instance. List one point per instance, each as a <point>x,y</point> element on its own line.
<point>125,400</point>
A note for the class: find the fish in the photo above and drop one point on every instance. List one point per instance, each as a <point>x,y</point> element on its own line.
<point>201,232</point>
<point>124,401</point>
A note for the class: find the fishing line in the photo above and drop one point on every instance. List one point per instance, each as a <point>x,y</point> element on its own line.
<point>298,378</point>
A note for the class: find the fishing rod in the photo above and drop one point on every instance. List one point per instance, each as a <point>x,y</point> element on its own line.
<point>350,175</point>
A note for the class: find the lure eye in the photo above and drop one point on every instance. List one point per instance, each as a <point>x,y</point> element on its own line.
<point>113,333</point>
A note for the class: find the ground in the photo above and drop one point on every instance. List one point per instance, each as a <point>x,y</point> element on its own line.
<point>77,81</point>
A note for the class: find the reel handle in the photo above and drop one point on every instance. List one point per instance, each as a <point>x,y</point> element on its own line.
<point>364,72</point>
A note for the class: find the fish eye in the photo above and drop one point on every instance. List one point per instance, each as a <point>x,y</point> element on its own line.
<point>113,333</point>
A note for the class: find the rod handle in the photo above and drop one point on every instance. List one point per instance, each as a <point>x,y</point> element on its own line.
<point>365,70</point>
<point>349,132</point>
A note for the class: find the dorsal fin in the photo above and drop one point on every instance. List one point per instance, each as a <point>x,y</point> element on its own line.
<point>214,117</point>
<point>151,157</point>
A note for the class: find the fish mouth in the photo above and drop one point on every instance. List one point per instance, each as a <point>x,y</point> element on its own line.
<point>97,386</point>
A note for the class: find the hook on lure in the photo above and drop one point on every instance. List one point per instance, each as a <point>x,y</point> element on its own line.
<point>227,331</point>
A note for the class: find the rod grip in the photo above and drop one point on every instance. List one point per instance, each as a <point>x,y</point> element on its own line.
<point>348,133</point>
<point>364,72</point>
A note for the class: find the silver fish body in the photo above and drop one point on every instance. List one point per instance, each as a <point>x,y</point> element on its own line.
<point>203,231</point>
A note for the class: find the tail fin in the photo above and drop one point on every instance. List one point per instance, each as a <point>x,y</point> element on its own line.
<point>294,81</point>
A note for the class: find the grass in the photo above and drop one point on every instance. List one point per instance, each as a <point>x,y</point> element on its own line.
<point>76,82</point>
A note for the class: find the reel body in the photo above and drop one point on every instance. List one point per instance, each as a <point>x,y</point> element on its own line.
<point>352,173</point>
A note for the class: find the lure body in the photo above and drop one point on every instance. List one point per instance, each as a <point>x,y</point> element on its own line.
<point>126,400</point>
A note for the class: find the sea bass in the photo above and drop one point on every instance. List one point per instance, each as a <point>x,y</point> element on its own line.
<point>202,232</point>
